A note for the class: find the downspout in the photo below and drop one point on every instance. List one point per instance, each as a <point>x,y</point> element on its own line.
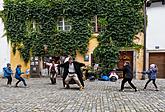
<point>144,50</point>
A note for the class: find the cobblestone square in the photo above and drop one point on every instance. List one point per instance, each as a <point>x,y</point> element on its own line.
<point>98,96</point>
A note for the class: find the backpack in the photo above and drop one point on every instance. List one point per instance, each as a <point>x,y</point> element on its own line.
<point>105,78</point>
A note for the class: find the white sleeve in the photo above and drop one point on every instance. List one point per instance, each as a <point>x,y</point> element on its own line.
<point>49,64</point>
<point>67,59</point>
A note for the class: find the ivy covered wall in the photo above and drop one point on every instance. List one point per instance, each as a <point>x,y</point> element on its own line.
<point>30,24</point>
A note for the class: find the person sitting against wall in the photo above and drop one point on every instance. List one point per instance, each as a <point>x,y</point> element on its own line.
<point>113,76</point>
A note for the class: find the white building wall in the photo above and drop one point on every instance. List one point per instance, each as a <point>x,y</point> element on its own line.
<point>155,35</point>
<point>4,46</point>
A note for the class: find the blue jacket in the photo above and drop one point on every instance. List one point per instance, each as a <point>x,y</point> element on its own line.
<point>18,73</point>
<point>152,73</point>
<point>7,72</point>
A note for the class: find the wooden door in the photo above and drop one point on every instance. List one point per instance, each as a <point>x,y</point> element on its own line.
<point>124,56</point>
<point>159,60</point>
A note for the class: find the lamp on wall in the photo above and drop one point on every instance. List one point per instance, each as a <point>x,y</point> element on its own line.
<point>156,47</point>
<point>148,3</point>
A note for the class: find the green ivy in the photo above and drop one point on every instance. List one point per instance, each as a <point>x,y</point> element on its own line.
<point>121,19</point>
<point>125,20</point>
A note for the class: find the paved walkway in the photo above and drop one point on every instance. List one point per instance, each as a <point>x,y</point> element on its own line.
<point>98,96</point>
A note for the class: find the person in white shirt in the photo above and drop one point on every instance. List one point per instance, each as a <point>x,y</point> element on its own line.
<point>113,76</point>
<point>72,71</point>
<point>67,59</point>
<point>53,71</point>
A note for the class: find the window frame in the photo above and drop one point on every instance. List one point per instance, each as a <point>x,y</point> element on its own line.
<point>64,25</point>
<point>96,27</point>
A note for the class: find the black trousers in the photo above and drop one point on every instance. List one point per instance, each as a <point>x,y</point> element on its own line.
<point>153,80</point>
<point>129,81</point>
<point>19,80</point>
<point>53,76</point>
<point>9,80</point>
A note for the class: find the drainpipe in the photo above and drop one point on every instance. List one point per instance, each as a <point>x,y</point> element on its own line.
<point>144,50</point>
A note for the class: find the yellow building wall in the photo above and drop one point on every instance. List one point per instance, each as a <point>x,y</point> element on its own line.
<point>15,59</point>
<point>139,57</point>
<point>93,43</point>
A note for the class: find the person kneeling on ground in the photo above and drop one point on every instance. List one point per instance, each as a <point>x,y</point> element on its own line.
<point>72,71</point>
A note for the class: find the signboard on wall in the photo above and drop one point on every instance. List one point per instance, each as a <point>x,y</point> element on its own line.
<point>34,67</point>
<point>86,57</point>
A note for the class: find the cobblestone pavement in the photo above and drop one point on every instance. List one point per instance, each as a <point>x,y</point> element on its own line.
<point>98,96</point>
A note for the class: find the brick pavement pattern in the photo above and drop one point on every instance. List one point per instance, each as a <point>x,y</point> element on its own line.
<point>98,96</point>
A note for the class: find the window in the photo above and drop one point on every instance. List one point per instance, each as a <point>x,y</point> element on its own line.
<point>96,26</point>
<point>63,25</point>
<point>32,26</point>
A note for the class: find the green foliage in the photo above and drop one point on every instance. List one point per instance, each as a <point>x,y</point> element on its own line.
<point>125,20</point>
<point>30,24</point>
